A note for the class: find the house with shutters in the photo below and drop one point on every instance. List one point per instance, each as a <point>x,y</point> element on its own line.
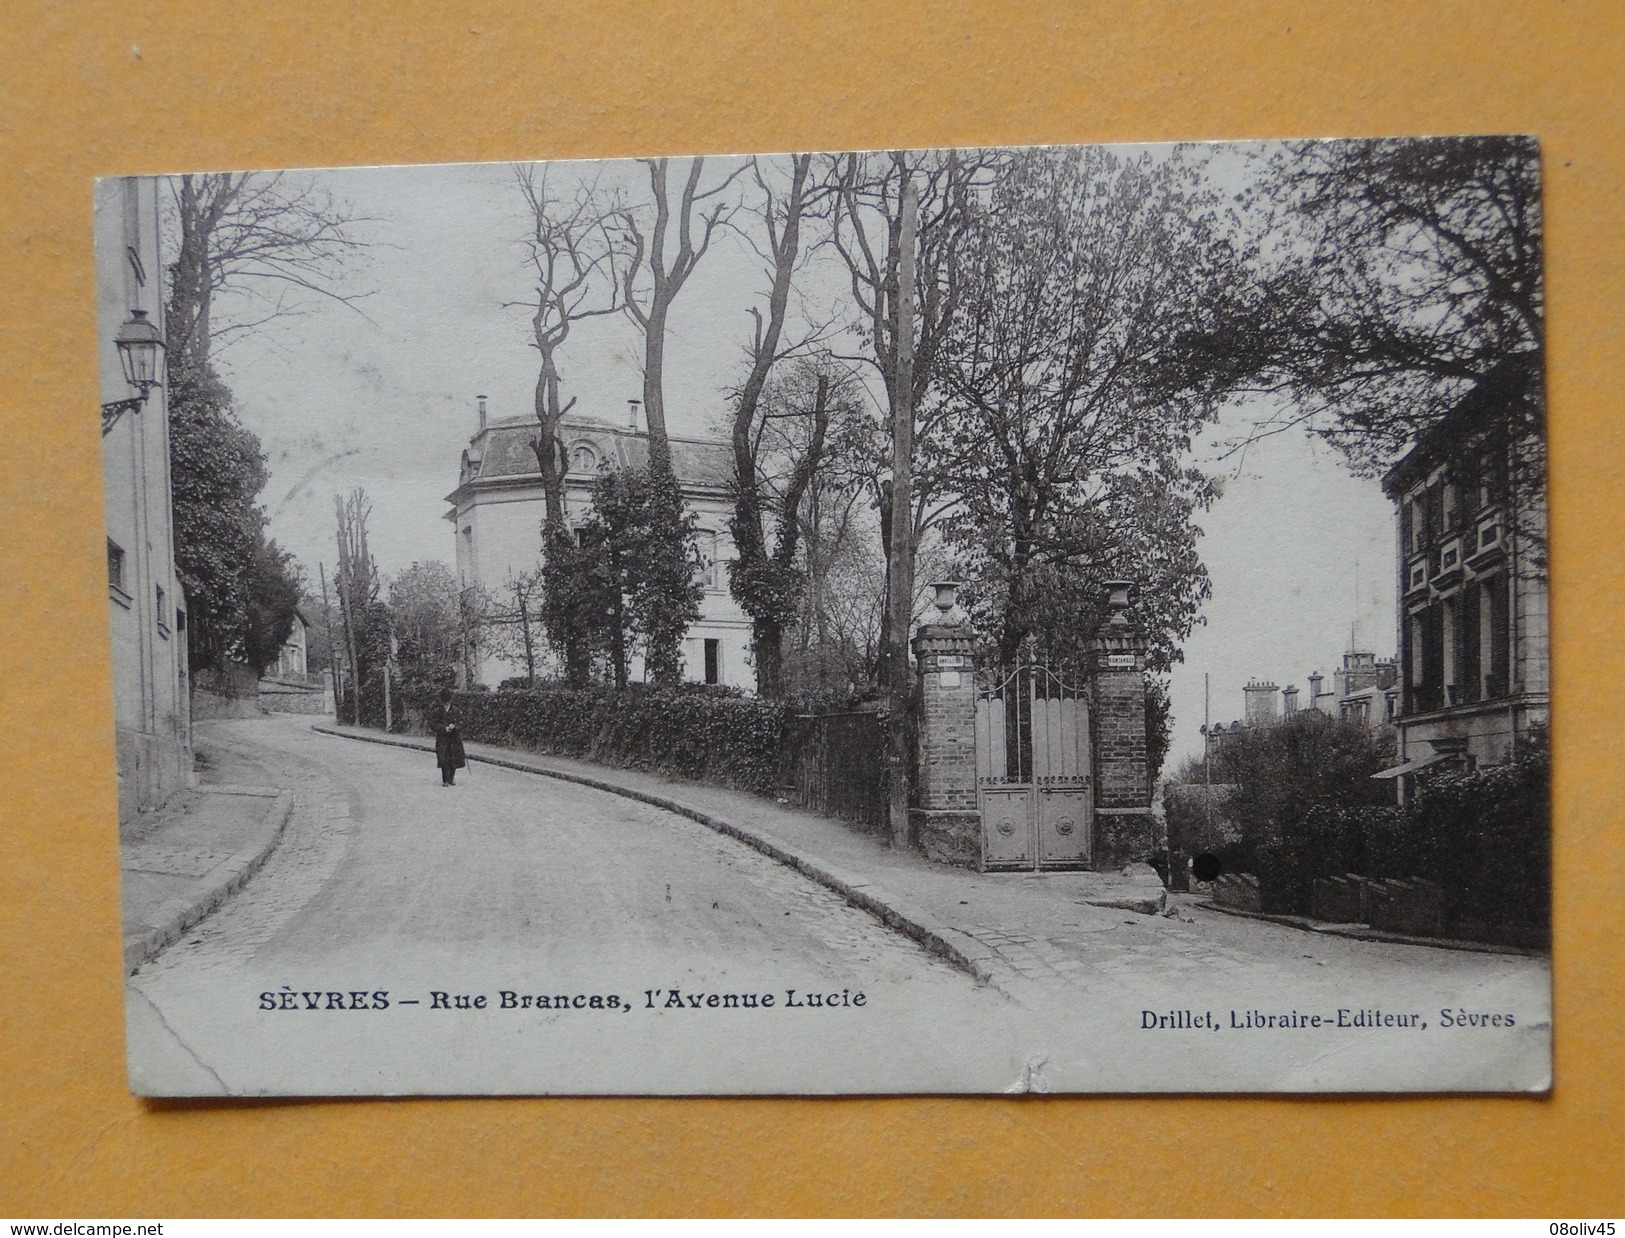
<point>498,507</point>
<point>1473,638</point>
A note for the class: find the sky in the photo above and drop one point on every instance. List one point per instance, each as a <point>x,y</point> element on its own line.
<point>383,397</point>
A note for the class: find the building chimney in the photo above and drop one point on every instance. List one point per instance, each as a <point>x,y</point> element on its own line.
<point>481,399</point>
<point>1289,700</point>
<point>1260,703</point>
<point>1314,690</point>
<point>632,415</point>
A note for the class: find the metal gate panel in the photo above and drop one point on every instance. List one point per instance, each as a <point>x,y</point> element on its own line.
<point>1042,756</point>
<point>1007,832</point>
<point>1033,770</point>
<point>1064,720</point>
<point>999,765</point>
<point>984,742</point>
<point>1063,825</point>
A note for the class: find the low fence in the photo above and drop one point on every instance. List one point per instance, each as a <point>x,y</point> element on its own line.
<point>836,764</point>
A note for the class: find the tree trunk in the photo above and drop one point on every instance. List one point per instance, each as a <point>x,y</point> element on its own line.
<point>767,644</point>
<point>654,401</point>
<point>900,574</point>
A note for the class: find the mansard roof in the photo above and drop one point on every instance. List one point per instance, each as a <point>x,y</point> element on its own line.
<point>502,451</point>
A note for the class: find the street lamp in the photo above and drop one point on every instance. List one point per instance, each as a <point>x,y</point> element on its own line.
<point>139,345</point>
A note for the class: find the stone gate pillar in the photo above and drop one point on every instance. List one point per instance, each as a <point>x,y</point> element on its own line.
<point>945,818</point>
<point>1125,831</point>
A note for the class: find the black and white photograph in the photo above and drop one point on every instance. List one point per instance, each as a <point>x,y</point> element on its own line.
<point>1045,619</point>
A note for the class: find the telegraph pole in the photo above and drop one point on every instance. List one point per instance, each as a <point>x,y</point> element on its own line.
<point>900,579</point>
<point>332,649</point>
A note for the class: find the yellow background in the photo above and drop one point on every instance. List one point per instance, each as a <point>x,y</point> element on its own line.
<point>158,86</point>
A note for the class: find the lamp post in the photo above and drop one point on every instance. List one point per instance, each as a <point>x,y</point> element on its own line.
<point>139,345</point>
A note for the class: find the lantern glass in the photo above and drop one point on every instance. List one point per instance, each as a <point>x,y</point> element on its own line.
<point>138,347</point>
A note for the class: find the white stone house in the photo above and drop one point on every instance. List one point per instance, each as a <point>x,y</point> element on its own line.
<point>498,507</point>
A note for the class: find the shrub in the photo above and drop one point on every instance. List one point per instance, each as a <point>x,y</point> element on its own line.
<point>1491,838</point>
<point>706,734</point>
<point>1485,837</point>
<point>1281,779</point>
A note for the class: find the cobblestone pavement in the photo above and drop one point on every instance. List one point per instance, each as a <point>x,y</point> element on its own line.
<point>523,883</point>
<point>385,881</point>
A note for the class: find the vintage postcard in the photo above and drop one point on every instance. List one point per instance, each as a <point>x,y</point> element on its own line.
<point>1059,619</point>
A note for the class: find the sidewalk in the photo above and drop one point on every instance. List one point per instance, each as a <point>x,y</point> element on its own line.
<point>182,862</point>
<point>993,925</point>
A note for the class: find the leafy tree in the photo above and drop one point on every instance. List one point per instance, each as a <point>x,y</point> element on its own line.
<point>272,588</point>
<point>1063,427</point>
<point>1404,275</point>
<point>1159,727</point>
<point>241,589</point>
<point>262,236</point>
<point>423,604</point>
<point>216,470</point>
<point>837,630</point>
<point>323,618</point>
<point>1279,773</point>
<point>664,570</point>
<point>766,578</point>
<point>631,582</point>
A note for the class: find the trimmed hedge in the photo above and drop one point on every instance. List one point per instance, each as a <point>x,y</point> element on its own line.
<point>709,736</point>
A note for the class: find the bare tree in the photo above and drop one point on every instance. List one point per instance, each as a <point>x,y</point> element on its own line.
<point>265,236</point>
<point>843,576</point>
<point>659,257</point>
<point>866,231</point>
<point>366,619</point>
<point>763,579</point>
<point>513,622</point>
<point>570,252</point>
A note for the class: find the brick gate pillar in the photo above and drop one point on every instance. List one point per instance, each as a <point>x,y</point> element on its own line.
<point>1125,830</point>
<point>945,818</point>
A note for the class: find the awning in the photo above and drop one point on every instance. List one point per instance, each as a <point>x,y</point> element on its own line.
<point>1410,767</point>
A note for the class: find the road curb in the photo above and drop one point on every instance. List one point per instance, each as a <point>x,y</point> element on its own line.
<point>225,879</point>
<point>885,907</point>
<point>1354,933</point>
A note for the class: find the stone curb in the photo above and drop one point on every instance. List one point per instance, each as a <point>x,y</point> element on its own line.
<point>887,908</point>
<point>225,879</point>
<point>1356,933</point>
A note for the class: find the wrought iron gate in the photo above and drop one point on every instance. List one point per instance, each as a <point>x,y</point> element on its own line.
<point>1033,769</point>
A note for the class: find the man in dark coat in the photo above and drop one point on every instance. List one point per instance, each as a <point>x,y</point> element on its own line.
<point>448,739</point>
